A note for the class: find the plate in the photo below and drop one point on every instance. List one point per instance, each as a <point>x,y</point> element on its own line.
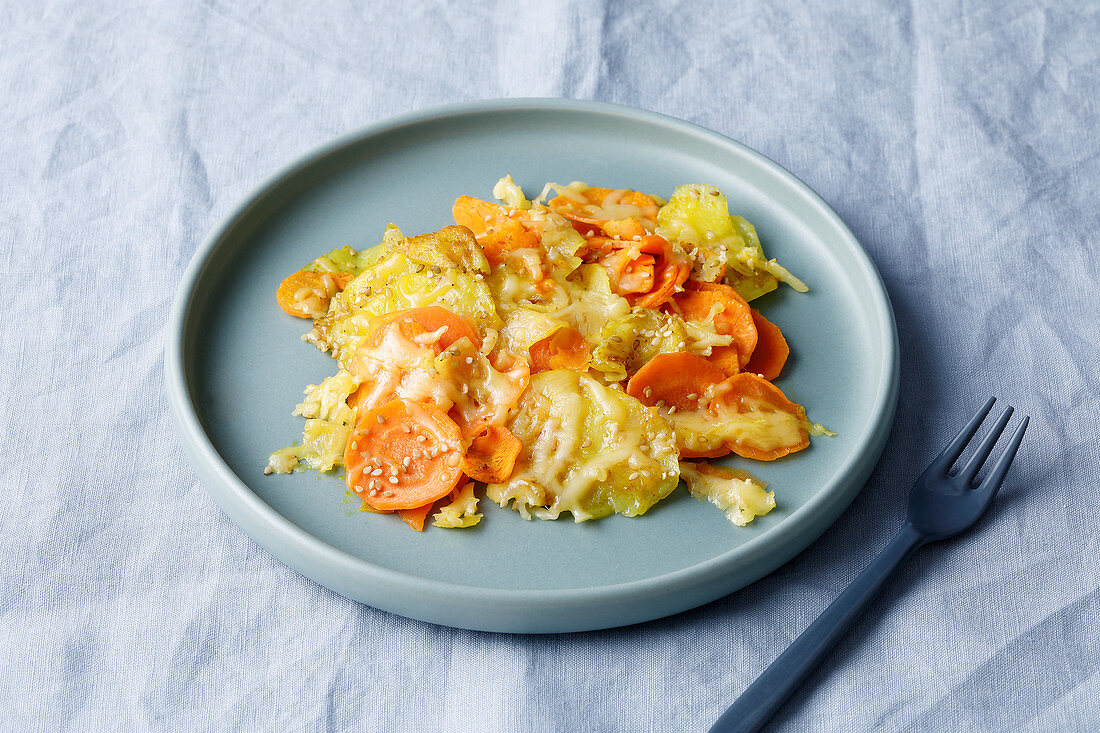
<point>235,368</point>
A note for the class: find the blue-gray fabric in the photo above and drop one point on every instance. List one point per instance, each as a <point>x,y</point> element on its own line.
<point>959,140</point>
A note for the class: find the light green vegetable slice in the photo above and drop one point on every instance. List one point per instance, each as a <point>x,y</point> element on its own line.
<point>588,449</point>
<point>697,217</point>
<point>344,259</point>
<point>450,247</point>
<point>397,283</point>
<point>626,344</point>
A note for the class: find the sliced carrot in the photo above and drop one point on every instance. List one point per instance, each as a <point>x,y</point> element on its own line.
<point>644,270</point>
<point>672,272</point>
<point>624,262</point>
<point>492,455</point>
<point>494,228</point>
<point>747,393</point>
<point>678,379</point>
<point>415,517</point>
<point>726,358</point>
<point>566,348</point>
<point>624,228</point>
<point>721,306</point>
<point>771,352</point>
<point>306,294</point>
<point>365,507</point>
<point>589,211</point>
<point>427,319</point>
<point>382,441</point>
<point>413,323</point>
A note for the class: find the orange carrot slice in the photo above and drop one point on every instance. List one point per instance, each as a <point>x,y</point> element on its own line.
<point>566,348</point>
<point>771,352</point>
<point>588,211</point>
<point>426,320</point>
<point>306,294</point>
<point>672,272</point>
<point>624,228</point>
<point>494,228</point>
<point>385,437</point>
<point>678,379</point>
<point>747,393</point>
<point>644,270</point>
<point>492,455</point>
<point>415,517</point>
<point>628,270</point>
<point>729,313</point>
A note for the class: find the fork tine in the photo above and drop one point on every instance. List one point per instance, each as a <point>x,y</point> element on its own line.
<point>996,475</point>
<point>970,470</point>
<point>954,449</point>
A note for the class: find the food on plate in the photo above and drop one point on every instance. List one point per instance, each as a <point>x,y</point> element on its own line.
<point>576,353</point>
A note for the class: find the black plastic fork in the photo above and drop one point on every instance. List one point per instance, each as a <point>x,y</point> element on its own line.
<point>942,504</point>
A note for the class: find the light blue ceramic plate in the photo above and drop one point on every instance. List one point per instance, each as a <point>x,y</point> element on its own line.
<point>236,367</point>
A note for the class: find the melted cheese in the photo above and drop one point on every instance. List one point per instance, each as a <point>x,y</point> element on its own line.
<point>741,495</point>
<point>588,449</point>
<point>461,512</point>
<point>761,429</point>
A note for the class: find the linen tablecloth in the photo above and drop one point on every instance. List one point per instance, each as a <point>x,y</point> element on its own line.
<point>959,140</point>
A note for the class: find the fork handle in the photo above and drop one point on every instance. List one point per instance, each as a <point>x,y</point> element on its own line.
<point>763,697</point>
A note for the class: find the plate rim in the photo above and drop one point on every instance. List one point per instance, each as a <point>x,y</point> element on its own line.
<point>449,603</point>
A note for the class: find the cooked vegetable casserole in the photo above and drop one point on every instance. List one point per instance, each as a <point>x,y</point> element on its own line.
<point>583,352</point>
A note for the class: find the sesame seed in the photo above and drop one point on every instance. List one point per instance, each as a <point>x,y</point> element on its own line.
<point>376,472</point>
<point>387,493</point>
<point>693,396</point>
<point>632,477</point>
<point>406,461</point>
<point>406,428</point>
<point>648,391</point>
<point>381,420</point>
<point>469,360</point>
<point>393,479</point>
<point>268,470</point>
<point>420,439</point>
<point>672,409</point>
<point>415,453</point>
<point>454,459</point>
